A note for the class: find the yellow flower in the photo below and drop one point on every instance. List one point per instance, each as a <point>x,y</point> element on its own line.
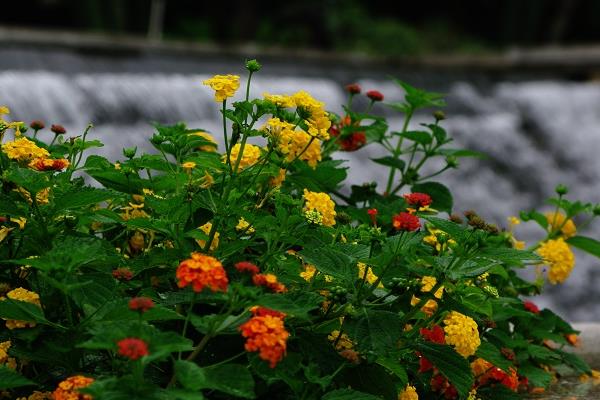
<point>322,203</point>
<point>433,239</point>
<point>313,217</point>
<point>224,86</point>
<point>309,272</point>
<point>293,144</point>
<point>558,220</point>
<point>117,166</point>
<point>430,306</point>
<point>409,393</point>
<point>23,149</point>
<point>461,332</point>
<point>371,277</point>
<point>10,362</point>
<point>207,180</point>
<point>188,166</point>
<point>512,220</point>
<point>518,244</point>
<point>208,137</point>
<point>19,221</point>
<point>343,341</point>
<point>250,156</point>
<point>4,231</point>
<point>41,197</point>
<point>276,181</point>
<point>244,225</point>
<point>21,294</point>
<point>558,256</point>
<point>206,229</point>
<point>280,100</point>
<point>318,121</point>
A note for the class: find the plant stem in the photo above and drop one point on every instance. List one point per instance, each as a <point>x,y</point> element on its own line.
<point>398,150</point>
<point>187,319</point>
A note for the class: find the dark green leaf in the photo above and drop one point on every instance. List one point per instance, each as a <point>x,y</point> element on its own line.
<point>420,137</point>
<point>349,394</point>
<point>232,379</point>
<point>78,197</point>
<point>537,377</point>
<point>294,304</point>
<point>390,161</point>
<point>9,378</point>
<point>376,330</point>
<point>492,354</point>
<point>451,364</point>
<point>586,244</point>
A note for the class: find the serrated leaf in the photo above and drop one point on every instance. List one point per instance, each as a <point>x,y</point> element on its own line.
<point>451,364</point>
<point>492,354</point>
<point>390,161</point>
<point>376,330</point>
<point>587,244</point>
<point>80,197</point>
<point>232,379</point>
<point>537,377</point>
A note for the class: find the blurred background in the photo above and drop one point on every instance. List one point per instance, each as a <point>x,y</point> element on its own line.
<point>521,79</point>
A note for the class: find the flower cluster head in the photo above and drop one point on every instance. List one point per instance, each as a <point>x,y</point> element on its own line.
<point>531,307</point>
<point>67,389</point>
<point>265,332</point>
<point>141,304</point>
<point>558,221</point>
<point>353,88</point>
<point>314,217</point>
<point>462,332</point>
<point>202,271</point>
<point>293,144</point>
<point>351,141</point>
<point>250,155</point>
<point>21,294</point>
<point>269,281</point>
<point>58,129</point>
<point>406,222</point>
<point>23,149</point>
<point>5,360</point>
<point>37,395</point>
<point>206,228</point>
<point>224,86</point>
<point>558,255</point>
<point>409,393</point>
<point>317,119</point>
<point>122,274</point>
<point>370,276</point>
<point>132,348</point>
<point>322,203</point>
<point>244,226</point>
<point>246,266</point>
<point>486,373</point>
<point>211,148</point>
<point>49,164</point>
<point>418,200</point>
<point>375,95</point>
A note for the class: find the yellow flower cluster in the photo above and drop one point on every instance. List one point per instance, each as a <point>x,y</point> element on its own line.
<point>559,221</point>
<point>4,125</point>
<point>280,100</point>
<point>427,283</point>
<point>276,181</point>
<point>250,156</point>
<point>318,121</point>
<point>309,272</point>
<point>224,86</point>
<point>38,396</point>
<point>293,144</point>
<point>558,255</point>
<point>244,226</point>
<point>25,295</point>
<point>343,341</point>
<point>409,393</point>
<point>10,362</point>
<point>206,229</point>
<point>371,277</point>
<point>41,197</point>
<point>432,239</point>
<point>208,137</point>
<point>23,149</point>
<point>322,203</point>
<point>134,211</point>
<point>461,332</point>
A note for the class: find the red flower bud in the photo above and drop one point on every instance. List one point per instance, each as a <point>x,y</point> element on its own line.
<point>353,88</point>
<point>375,95</point>
<point>141,304</point>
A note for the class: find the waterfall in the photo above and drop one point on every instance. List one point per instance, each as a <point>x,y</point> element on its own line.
<point>536,134</point>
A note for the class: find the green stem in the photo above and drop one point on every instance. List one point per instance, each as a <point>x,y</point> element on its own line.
<point>248,85</point>
<point>227,149</point>
<point>187,319</point>
<point>398,150</point>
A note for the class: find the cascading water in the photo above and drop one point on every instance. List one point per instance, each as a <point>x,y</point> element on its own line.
<point>536,133</point>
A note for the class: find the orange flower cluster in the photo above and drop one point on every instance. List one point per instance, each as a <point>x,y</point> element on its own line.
<point>201,271</point>
<point>265,333</point>
<point>269,281</point>
<point>49,164</point>
<point>487,373</point>
<point>67,389</point>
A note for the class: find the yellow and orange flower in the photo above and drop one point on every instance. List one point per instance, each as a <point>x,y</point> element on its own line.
<point>202,271</point>
<point>265,332</point>
<point>49,164</point>
<point>322,203</point>
<point>224,86</point>
<point>67,389</point>
<point>21,294</point>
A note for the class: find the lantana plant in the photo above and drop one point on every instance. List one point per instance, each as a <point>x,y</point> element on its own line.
<point>248,271</point>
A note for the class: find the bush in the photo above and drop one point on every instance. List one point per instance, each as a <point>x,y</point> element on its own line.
<point>191,274</point>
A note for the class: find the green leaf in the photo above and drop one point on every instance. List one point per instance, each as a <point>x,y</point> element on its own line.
<point>331,261</point>
<point>232,379</point>
<point>451,364</point>
<point>78,197</point>
<point>390,161</point>
<point>574,361</point>
<point>418,98</point>
<point>393,365</point>
<point>22,311</point>
<point>441,196</point>
<point>349,394</point>
<point>536,376</point>
<point>376,330</point>
<point>326,177</point>
<point>492,354</point>
<point>9,378</point>
<point>294,304</point>
<point>9,207</point>
<point>536,216</point>
<point>455,231</point>
<point>462,153</point>
<point>475,299</point>
<point>586,244</point>
<point>31,180</point>
<point>508,255</point>
<point>420,137</point>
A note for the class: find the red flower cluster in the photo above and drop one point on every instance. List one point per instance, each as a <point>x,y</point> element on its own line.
<point>269,281</point>
<point>265,332</point>
<point>406,222</point>
<point>375,95</point>
<point>246,266</point>
<point>49,164</point>
<point>440,384</point>
<point>202,271</point>
<point>122,274</point>
<point>493,375</point>
<point>58,129</point>
<point>436,335</point>
<point>351,141</point>
<point>531,307</point>
<point>353,88</point>
<point>141,304</point>
<point>132,348</point>
<point>418,199</point>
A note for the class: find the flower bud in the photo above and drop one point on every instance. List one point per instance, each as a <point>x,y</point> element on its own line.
<point>353,88</point>
<point>37,125</point>
<point>58,129</point>
<point>253,65</point>
<point>452,162</point>
<point>375,95</point>
<point>157,140</point>
<point>561,189</point>
<point>439,115</point>
<point>129,152</point>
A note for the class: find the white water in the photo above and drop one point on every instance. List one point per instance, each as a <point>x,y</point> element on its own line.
<point>536,133</point>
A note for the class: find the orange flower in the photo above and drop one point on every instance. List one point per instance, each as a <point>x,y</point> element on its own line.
<point>270,281</point>
<point>201,271</point>
<point>49,164</point>
<point>132,348</point>
<point>67,389</point>
<point>265,333</point>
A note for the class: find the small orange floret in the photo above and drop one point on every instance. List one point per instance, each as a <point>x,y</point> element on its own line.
<point>67,389</point>
<point>269,281</point>
<point>202,271</point>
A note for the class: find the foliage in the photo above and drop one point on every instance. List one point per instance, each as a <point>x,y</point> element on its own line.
<point>190,274</point>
